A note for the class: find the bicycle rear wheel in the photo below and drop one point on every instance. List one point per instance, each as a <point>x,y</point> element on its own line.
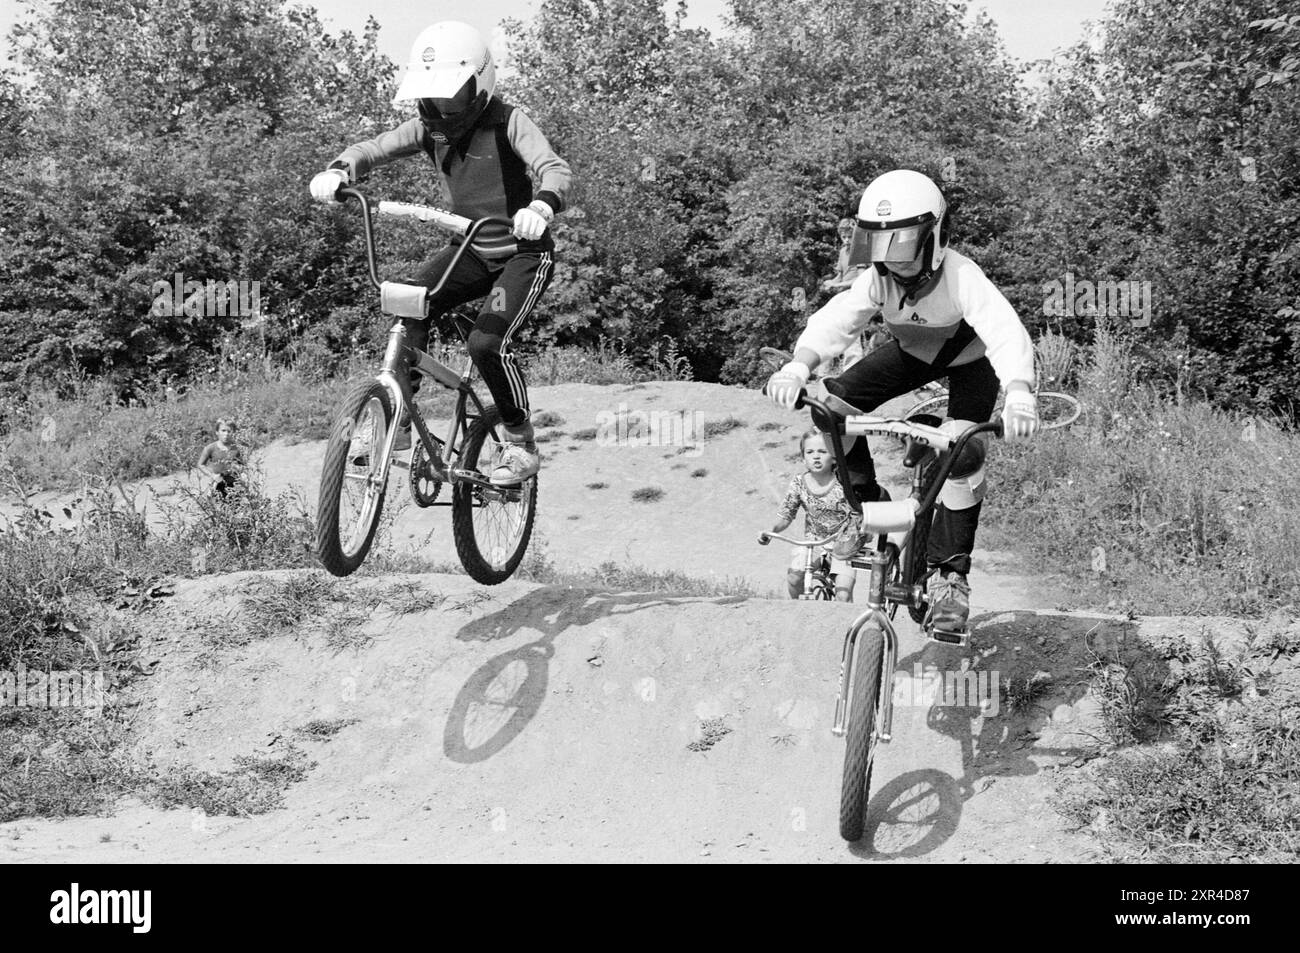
<point>1057,410</point>
<point>351,485</point>
<point>860,744</point>
<point>775,357</point>
<point>491,526</point>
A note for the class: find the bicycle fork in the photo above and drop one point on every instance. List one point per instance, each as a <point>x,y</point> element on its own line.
<point>848,673</point>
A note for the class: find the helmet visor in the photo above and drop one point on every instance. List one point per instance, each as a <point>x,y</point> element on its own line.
<point>448,107</point>
<point>872,244</point>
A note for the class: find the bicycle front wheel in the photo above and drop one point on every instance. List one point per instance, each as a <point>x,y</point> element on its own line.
<point>860,744</point>
<point>937,405</point>
<point>352,479</point>
<point>492,525</point>
<point>1057,410</point>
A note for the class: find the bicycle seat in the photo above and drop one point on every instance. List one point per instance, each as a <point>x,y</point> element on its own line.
<point>915,453</point>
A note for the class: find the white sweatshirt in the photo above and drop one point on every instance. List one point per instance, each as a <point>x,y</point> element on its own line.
<point>960,318</point>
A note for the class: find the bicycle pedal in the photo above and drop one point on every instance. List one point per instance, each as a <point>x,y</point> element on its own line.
<point>943,637</point>
<point>401,463</point>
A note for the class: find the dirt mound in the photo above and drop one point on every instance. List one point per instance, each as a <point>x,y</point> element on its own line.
<point>525,722</point>
<point>535,723</point>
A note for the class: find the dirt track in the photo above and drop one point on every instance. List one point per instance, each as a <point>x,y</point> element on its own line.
<point>543,724</point>
<point>527,722</point>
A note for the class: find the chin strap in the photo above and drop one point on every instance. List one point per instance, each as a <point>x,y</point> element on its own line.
<point>911,285</point>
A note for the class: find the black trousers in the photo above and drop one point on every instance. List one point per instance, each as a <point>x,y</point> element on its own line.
<point>513,287</point>
<point>887,373</point>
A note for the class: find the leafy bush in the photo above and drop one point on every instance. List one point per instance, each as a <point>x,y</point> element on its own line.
<point>1193,508</point>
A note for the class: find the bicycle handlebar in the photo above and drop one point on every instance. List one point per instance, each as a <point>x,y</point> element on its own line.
<point>857,423</point>
<point>448,221</point>
<point>805,542</point>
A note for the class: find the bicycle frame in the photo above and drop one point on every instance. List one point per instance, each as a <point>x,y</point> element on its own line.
<point>809,575</point>
<point>926,485</point>
<point>811,580</point>
<point>399,356</point>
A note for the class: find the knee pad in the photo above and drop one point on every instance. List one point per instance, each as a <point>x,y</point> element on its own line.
<point>965,486</point>
<point>482,344</point>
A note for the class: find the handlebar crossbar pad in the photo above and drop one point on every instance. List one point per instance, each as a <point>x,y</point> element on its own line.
<point>896,516</point>
<point>402,301</point>
<point>427,213</point>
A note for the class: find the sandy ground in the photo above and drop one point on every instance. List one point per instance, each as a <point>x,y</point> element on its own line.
<point>532,723</point>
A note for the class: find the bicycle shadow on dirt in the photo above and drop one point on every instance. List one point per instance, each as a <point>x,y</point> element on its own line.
<point>1028,701</point>
<point>504,694</point>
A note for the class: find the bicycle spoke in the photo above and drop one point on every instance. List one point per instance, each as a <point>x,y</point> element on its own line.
<point>498,521</point>
<point>360,494</point>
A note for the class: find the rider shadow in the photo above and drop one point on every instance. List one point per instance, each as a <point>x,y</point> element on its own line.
<point>498,701</point>
<point>1010,654</point>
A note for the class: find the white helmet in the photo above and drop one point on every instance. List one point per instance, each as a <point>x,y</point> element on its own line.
<point>901,219</point>
<point>451,74</point>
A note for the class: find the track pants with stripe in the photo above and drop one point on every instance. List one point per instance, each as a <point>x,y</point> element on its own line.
<point>888,372</point>
<point>513,287</point>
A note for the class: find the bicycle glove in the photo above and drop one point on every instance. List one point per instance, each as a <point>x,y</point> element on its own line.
<point>784,386</point>
<point>1019,415</point>
<point>325,184</point>
<point>531,222</point>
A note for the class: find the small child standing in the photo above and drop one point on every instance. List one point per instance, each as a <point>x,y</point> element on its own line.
<point>825,509</point>
<point>223,460</point>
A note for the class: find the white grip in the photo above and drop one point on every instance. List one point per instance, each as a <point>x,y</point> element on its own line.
<point>427,213</point>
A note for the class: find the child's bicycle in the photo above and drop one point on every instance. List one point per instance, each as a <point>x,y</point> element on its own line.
<point>491,524</point>
<point>899,577</point>
<point>818,580</point>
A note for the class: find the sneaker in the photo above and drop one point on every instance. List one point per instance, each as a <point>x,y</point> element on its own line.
<point>852,540</point>
<point>359,450</point>
<point>949,604</point>
<point>518,462</point>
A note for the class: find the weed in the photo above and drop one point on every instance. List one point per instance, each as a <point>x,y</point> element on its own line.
<point>716,428</point>
<point>712,730</point>
<point>323,729</point>
<point>273,605</point>
<point>255,785</point>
